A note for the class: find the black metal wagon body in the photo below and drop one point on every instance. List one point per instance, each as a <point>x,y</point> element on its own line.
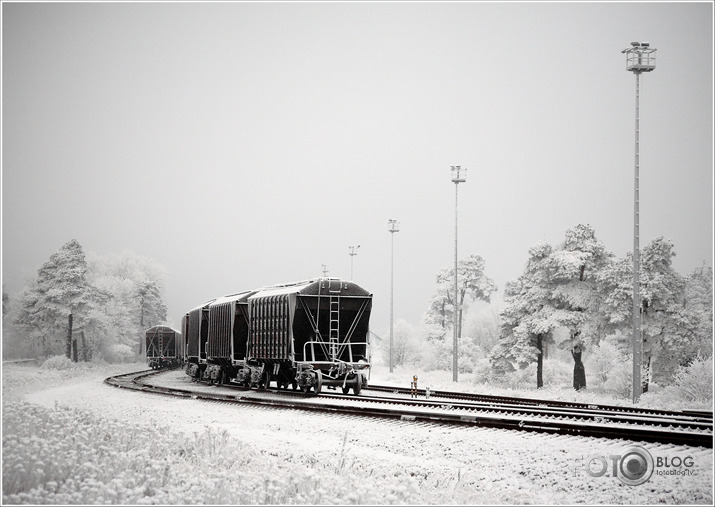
<point>195,330</point>
<point>163,347</point>
<point>228,323</point>
<point>311,333</point>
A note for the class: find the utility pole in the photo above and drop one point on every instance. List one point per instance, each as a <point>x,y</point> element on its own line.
<point>458,176</point>
<point>393,227</point>
<point>640,57</point>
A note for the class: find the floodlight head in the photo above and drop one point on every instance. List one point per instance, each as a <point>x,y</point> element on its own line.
<point>459,174</point>
<point>640,57</point>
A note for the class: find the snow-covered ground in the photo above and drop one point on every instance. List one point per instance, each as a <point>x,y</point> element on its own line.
<point>70,438</point>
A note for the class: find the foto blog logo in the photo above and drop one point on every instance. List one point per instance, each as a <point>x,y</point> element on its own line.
<point>633,466</point>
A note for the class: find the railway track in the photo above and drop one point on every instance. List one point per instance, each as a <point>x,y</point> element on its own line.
<point>679,428</point>
<point>689,415</point>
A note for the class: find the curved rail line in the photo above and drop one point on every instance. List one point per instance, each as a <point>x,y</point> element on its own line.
<point>695,415</point>
<point>529,418</point>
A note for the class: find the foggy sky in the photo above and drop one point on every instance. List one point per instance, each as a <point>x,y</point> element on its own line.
<point>242,145</point>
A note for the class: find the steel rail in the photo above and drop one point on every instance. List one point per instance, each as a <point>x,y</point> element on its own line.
<point>698,415</point>
<point>683,420</point>
<point>135,381</point>
<point>594,415</point>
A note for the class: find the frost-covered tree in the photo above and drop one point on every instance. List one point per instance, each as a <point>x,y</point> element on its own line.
<point>473,285</point>
<point>699,301</point>
<point>60,288</point>
<point>483,328</point>
<point>406,345</point>
<point>577,292</point>
<point>132,285</point>
<point>558,289</point>
<point>525,323</point>
<point>13,344</point>
<point>671,327</point>
<point>617,295</point>
<point>5,301</point>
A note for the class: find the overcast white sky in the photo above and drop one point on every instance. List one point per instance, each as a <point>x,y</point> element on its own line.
<point>246,144</point>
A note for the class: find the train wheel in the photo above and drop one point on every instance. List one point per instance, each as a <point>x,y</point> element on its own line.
<point>306,389</point>
<point>295,385</point>
<point>318,382</point>
<point>357,387</point>
<point>265,384</point>
<point>346,389</point>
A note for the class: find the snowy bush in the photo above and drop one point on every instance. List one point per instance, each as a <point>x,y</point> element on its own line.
<point>483,372</point>
<point>521,378</point>
<point>67,456</point>
<point>557,373</point>
<point>119,353</point>
<point>58,363</point>
<point>619,382</point>
<point>693,383</point>
<point>602,360</point>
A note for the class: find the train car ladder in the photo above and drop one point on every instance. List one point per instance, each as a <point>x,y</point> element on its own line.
<point>334,326</point>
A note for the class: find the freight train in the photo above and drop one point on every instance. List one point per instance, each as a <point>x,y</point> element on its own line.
<point>305,335</point>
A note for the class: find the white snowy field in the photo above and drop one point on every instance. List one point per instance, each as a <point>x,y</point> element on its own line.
<point>70,438</point>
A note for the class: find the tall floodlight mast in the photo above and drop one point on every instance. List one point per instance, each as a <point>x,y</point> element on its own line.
<point>459,175</point>
<point>640,57</point>
<point>353,253</point>
<point>393,227</point>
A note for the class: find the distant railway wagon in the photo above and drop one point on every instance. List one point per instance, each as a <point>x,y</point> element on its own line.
<point>306,335</point>
<point>163,347</point>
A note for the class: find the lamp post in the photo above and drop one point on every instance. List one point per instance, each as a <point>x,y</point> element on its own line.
<point>459,175</point>
<point>640,57</point>
<point>353,253</point>
<point>393,227</point>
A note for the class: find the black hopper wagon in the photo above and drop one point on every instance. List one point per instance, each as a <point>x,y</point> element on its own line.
<point>306,335</point>
<point>227,338</point>
<point>195,330</point>
<point>163,347</point>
